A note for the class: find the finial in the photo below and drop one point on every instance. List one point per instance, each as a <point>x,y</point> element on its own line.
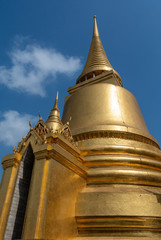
<point>14,149</point>
<point>94,16</point>
<point>68,123</point>
<point>40,118</point>
<point>57,95</point>
<point>30,125</point>
<point>56,101</point>
<point>95,29</point>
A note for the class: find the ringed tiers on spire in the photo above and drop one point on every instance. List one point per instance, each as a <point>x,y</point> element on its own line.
<point>97,61</point>
<point>54,122</point>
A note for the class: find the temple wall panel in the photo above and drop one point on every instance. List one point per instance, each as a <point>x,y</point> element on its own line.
<point>64,186</point>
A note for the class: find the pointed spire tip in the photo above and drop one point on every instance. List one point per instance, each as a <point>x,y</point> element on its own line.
<point>56,100</point>
<point>95,28</point>
<point>57,95</point>
<point>97,61</point>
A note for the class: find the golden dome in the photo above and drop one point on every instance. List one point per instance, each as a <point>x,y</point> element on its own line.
<point>54,122</point>
<point>109,108</point>
<point>97,61</point>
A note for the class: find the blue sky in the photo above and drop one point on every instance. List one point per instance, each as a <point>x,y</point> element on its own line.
<point>44,45</point>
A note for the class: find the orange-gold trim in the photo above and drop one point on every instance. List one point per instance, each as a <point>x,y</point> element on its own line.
<point>115,134</point>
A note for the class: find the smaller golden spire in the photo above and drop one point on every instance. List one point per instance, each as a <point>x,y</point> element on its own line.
<point>54,122</point>
<point>97,61</point>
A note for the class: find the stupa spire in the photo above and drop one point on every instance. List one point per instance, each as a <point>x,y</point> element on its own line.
<point>97,61</point>
<point>54,122</point>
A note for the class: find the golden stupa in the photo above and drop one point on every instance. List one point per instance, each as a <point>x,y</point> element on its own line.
<point>94,175</point>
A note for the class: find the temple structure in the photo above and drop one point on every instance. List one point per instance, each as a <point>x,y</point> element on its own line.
<point>94,174</point>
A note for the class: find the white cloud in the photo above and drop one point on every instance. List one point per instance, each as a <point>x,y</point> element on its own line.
<point>32,66</point>
<point>13,126</point>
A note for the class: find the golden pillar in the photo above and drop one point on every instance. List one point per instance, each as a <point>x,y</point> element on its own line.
<point>10,165</point>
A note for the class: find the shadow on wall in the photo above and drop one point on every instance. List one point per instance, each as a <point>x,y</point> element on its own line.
<point>19,202</point>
